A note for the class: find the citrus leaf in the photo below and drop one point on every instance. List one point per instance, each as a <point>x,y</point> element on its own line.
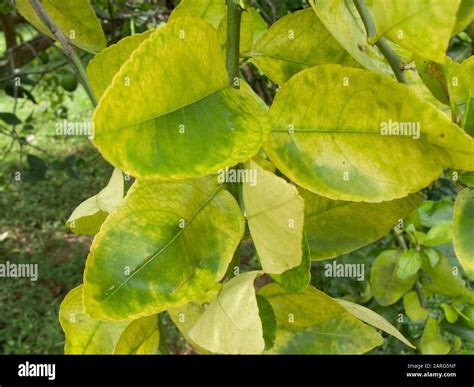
<point>102,69</point>
<point>467,178</point>
<point>313,323</point>
<point>433,213</point>
<point>211,10</point>
<point>75,18</point>
<point>186,316</point>
<point>434,77</point>
<point>370,317</point>
<point>463,230</point>
<point>336,227</point>
<point>438,235</point>
<point>423,27</point>
<point>164,245</point>
<point>321,130</point>
<point>408,264</point>
<point>196,125</point>
<point>268,319</point>
<point>431,342</point>
<point>296,42</point>
<point>387,287</point>
<point>85,335</point>
<point>450,313</point>
<point>231,323</point>
<point>296,280</point>
<point>460,80</point>
<point>464,16</point>
<point>413,308</point>
<point>90,214</point>
<point>341,18</point>
<point>275,221</point>
<point>141,337</point>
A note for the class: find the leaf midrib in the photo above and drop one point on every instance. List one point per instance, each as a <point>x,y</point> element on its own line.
<point>146,262</point>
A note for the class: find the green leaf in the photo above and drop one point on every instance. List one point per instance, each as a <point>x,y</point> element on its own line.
<point>463,230</point>
<point>467,178</point>
<point>142,337</point>
<point>296,280</point>
<point>102,69</point>
<point>450,313</point>
<point>432,255</point>
<point>231,323</point>
<point>75,18</point>
<point>468,116</point>
<point>10,119</point>
<point>431,342</point>
<point>268,319</point>
<point>252,28</point>
<point>186,316</point>
<point>434,77</point>
<point>211,10</point>
<point>387,287</point>
<point>275,221</point>
<point>408,264</point>
<point>444,279</point>
<point>313,323</point>
<point>296,42</point>
<point>424,26</point>
<point>438,235</point>
<point>90,214</point>
<point>336,227</point>
<point>437,213</point>
<point>370,317</point>
<point>413,308</point>
<point>342,20</point>
<point>85,335</point>
<point>460,85</point>
<point>464,16</point>
<point>166,243</point>
<point>196,125</point>
<point>323,147</point>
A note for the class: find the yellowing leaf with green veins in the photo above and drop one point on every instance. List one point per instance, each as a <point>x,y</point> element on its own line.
<point>337,227</point>
<point>275,221</point>
<point>296,280</point>
<point>196,125</point>
<point>431,342</point>
<point>85,335</point>
<point>460,78</point>
<point>90,214</point>
<point>372,318</point>
<point>387,286</point>
<point>186,316</point>
<point>167,243</point>
<point>464,17</point>
<point>342,20</point>
<point>445,279</point>
<point>413,308</point>
<point>321,132</point>
<point>313,323</point>
<point>75,18</point>
<point>251,29</point>
<point>463,230</point>
<point>102,69</point>
<point>231,323</point>
<point>141,337</point>
<point>211,10</point>
<point>423,26</point>
<point>295,42</point>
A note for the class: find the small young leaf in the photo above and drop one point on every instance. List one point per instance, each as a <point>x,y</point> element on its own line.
<point>450,313</point>
<point>431,342</point>
<point>408,264</point>
<point>438,235</point>
<point>413,308</point>
<point>432,255</point>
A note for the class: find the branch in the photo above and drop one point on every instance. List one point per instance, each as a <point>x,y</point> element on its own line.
<point>234,17</point>
<point>393,60</point>
<point>66,46</point>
